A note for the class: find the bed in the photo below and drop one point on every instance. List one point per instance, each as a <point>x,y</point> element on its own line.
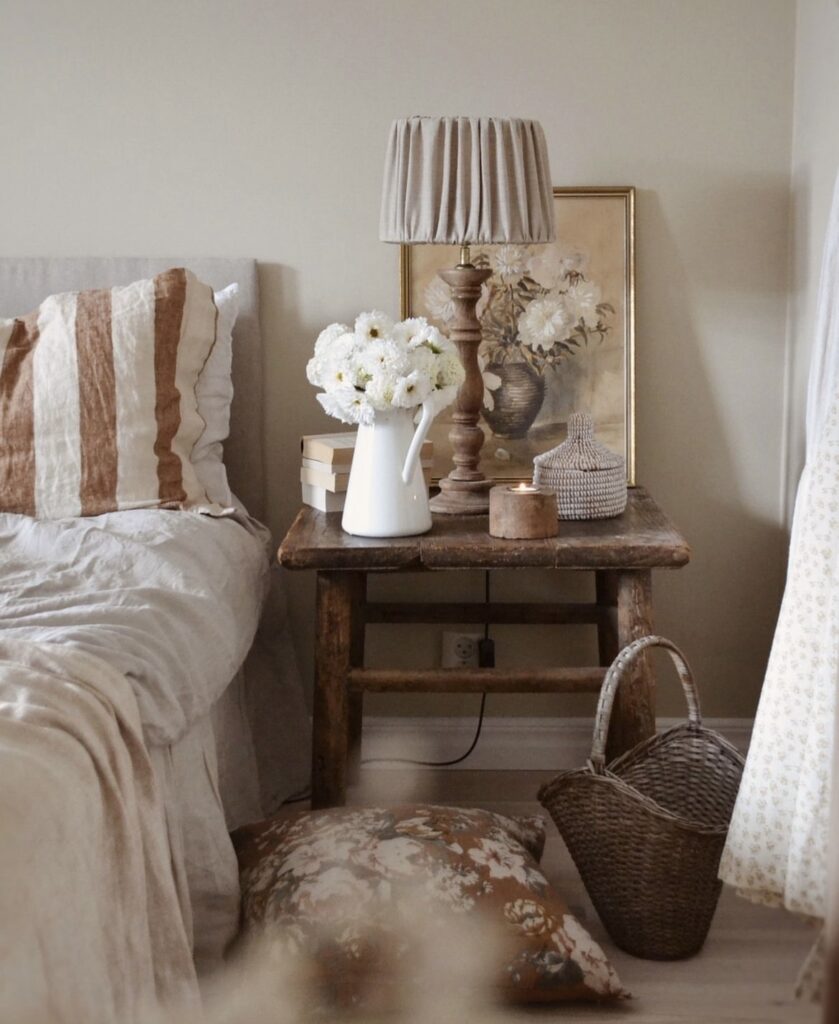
<point>150,619</point>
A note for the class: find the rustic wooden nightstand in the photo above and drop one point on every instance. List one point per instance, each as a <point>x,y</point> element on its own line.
<point>621,552</point>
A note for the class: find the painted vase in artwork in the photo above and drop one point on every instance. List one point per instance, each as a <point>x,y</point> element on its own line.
<point>516,400</point>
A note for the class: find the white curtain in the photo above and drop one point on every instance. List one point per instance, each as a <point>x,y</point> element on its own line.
<point>777,849</point>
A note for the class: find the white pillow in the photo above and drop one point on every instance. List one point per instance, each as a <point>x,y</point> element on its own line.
<point>214,392</point>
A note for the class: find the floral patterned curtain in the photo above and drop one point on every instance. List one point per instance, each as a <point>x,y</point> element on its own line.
<point>777,849</point>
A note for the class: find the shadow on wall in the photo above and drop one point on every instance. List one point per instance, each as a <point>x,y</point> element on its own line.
<point>722,608</point>
<point>801,324</point>
<point>284,367</point>
<point>285,353</point>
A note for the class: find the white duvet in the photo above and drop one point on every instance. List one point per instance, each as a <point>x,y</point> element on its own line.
<point>170,599</point>
<point>169,602</point>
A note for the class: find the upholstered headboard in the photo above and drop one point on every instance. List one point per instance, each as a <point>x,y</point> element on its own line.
<point>25,282</point>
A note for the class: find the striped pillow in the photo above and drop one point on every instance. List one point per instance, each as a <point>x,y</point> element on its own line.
<point>97,399</point>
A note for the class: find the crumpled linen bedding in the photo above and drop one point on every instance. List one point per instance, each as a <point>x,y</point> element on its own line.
<point>91,925</point>
<point>170,599</point>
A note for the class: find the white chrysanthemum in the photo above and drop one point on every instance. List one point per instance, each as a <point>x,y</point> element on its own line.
<point>433,340</point>
<point>342,346</point>
<point>381,387</point>
<point>328,335</point>
<point>492,382</point>
<point>443,397</point>
<point>438,298</point>
<point>509,262</point>
<point>338,363</point>
<point>381,365</point>
<point>551,265</point>
<point>440,342</point>
<point>348,405</point>
<point>406,331</point>
<point>336,373</point>
<point>582,300</point>
<point>376,355</point>
<point>422,358</point>
<point>546,321</point>
<point>483,301</point>
<point>314,371</point>
<point>332,363</point>
<point>450,370</point>
<point>373,325</point>
<point>412,390</point>
<point>359,376</point>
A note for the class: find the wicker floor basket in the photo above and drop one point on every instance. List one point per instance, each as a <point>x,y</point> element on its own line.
<point>647,831</point>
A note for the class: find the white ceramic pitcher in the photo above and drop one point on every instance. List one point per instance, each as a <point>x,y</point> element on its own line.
<point>387,495</point>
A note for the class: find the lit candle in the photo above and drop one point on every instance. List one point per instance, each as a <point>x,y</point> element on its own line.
<point>522,512</point>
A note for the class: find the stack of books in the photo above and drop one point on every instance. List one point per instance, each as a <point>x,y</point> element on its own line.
<point>325,468</point>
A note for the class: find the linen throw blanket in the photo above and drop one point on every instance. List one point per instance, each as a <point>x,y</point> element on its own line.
<point>90,924</point>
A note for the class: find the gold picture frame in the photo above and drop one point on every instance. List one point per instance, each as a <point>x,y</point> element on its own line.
<point>588,273</point>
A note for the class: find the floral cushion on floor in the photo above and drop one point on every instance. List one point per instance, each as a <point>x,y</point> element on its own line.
<point>346,886</point>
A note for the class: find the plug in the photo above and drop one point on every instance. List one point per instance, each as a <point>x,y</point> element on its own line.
<point>486,653</point>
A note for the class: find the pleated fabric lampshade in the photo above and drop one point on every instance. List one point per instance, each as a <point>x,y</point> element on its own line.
<point>467,180</point>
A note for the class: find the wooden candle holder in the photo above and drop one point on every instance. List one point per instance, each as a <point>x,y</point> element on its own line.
<point>522,513</point>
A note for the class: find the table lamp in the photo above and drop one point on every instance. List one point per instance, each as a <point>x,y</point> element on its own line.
<point>466,181</point>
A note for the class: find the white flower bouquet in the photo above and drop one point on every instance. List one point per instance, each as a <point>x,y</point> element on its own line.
<point>379,365</point>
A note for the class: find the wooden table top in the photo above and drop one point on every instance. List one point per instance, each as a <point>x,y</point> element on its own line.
<point>642,538</point>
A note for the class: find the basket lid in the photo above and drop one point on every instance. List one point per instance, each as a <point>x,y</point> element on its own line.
<point>580,450</point>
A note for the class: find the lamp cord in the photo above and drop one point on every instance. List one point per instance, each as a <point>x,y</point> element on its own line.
<point>306,794</point>
<point>478,728</point>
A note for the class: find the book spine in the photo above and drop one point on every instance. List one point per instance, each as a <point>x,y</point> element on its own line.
<point>321,499</point>
<point>318,466</point>
<point>335,482</point>
<point>336,450</point>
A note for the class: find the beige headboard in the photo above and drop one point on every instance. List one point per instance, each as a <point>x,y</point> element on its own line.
<point>25,282</point>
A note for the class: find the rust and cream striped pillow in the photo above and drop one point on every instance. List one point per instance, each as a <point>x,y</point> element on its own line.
<point>97,399</point>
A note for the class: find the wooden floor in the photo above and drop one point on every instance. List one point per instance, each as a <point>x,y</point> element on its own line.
<point>746,971</point>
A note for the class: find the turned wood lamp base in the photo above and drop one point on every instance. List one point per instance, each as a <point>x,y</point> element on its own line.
<point>465,491</point>
<point>459,498</point>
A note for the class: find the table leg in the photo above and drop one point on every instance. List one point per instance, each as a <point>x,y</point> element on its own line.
<point>606,589</point>
<point>356,698</point>
<point>633,714</point>
<point>333,645</point>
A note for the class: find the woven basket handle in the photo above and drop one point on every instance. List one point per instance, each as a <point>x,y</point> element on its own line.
<point>613,678</point>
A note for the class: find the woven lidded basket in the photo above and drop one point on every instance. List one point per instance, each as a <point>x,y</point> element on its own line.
<point>589,479</point>
<point>647,831</point>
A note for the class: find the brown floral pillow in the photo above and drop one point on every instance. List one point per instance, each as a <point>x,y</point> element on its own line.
<point>344,886</point>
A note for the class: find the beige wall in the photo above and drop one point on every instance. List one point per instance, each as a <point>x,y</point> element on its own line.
<point>815,163</point>
<point>258,128</point>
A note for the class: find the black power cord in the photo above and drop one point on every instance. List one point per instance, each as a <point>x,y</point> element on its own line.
<point>486,659</point>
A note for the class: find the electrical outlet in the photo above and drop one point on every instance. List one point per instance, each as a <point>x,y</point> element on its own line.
<point>460,650</point>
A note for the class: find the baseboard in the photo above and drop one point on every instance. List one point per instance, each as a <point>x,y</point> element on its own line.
<point>525,744</point>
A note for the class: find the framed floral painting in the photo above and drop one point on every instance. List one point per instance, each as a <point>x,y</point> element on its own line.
<point>558,331</point>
